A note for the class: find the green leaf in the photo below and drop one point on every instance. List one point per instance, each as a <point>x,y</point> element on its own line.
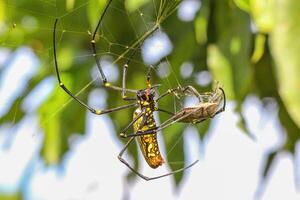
<point>234,43</point>
<point>221,70</point>
<point>201,23</point>
<point>264,77</point>
<point>132,5</point>
<point>50,120</point>
<point>70,4</point>
<point>16,196</point>
<point>15,113</point>
<point>285,48</point>
<point>2,11</point>
<point>183,51</point>
<point>263,14</point>
<point>65,58</point>
<point>243,4</point>
<point>259,48</point>
<point>94,10</point>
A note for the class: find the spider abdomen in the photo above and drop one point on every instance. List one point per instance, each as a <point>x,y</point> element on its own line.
<point>148,143</point>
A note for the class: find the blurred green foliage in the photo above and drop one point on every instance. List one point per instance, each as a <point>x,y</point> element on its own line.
<point>250,46</point>
<point>16,196</point>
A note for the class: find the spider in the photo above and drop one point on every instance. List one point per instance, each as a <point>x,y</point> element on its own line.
<point>145,104</point>
<point>206,108</point>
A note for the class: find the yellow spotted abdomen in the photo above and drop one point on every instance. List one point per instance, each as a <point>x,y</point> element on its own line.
<point>148,143</point>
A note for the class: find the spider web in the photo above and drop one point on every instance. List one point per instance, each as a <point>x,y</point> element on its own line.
<point>114,44</point>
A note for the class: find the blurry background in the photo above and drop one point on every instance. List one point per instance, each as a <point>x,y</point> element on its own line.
<point>52,148</point>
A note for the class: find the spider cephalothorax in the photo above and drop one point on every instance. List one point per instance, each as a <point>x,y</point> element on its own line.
<point>146,98</point>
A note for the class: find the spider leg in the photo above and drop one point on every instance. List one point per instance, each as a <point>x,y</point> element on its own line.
<point>126,163</point>
<point>170,91</point>
<point>62,85</point>
<point>125,68</point>
<point>123,133</point>
<point>165,111</point>
<point>193,91</point>
<point>104,79</point>
<point>188,88</point>
<point>173,172</point>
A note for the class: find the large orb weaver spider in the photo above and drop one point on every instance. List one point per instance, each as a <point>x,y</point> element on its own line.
<point>143,119</point>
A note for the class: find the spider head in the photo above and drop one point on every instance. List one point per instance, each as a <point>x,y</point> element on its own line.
<point>146,96</point>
